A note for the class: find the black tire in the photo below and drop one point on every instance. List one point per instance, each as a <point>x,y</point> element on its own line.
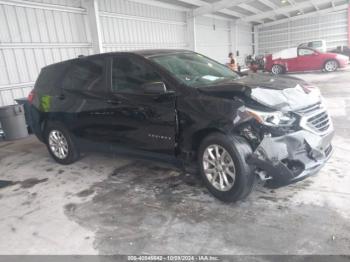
<point>331,66</point>
<point>239,150</point>
<point>73,150</point>
<point>277,69</point>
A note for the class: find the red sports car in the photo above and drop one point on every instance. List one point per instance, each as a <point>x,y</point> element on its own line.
<point>304,59</point>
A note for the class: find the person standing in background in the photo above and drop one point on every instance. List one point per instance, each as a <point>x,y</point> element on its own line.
<point>231,62</point>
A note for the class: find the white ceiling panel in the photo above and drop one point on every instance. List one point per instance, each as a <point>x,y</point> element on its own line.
<point>258,11</point>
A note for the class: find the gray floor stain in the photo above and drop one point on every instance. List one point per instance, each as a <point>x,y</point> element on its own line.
<point>6,183</point>
<point>28,183</point>
<point>143,208</point>
<point>85,193</point>
<point>6,144</point>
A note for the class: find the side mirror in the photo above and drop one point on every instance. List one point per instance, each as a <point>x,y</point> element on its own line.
<point>154,88</point>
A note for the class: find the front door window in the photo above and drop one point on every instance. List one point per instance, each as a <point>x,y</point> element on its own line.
<point>129,74</point>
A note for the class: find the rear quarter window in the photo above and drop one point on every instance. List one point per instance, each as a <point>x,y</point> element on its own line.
<point>49,78</point>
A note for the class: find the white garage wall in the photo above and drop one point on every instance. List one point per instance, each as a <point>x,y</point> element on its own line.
<point>41,32</point>
<point>34,34</point>
<point>213,38</point>
<point>131,25</point>
<point>243,40</point>
<point>331,27</point>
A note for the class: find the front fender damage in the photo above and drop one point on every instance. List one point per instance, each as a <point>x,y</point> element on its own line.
<point>292,157</point>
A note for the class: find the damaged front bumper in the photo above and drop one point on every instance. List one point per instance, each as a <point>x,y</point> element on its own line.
<point>293,157</point>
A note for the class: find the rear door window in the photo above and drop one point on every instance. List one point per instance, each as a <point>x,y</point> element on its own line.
<point>84,74</point>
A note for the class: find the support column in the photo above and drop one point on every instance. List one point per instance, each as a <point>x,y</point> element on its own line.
<point>349,25</point>
<point>256,40</point>
<point>233,37</point>
<point>191,31</point>
<point>94,24</point>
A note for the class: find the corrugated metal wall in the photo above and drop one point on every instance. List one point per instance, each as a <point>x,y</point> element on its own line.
<point>40,32</point>
<point>213,38</point>
<point>131,25</point>
<point>216,38</point>
<point>244,41</point>
<point>331,27</point>
<point>34,34</point>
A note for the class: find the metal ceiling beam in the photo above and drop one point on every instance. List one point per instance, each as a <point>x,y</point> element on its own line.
<point>315,5</point>
<point>161,4</point>
<point>320,12</point>
<point>201,3</point>
<point>293,3</point>
<point>194,2</point>
<point>282,10</point>
<point>269,4</point>
<point>253,10</point>
<point>272,5</point>
<point>217,6</point>
<point>250,8</point>
<point>232,13</point>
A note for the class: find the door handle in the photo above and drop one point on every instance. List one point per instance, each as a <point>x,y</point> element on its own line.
<point>114,102</point>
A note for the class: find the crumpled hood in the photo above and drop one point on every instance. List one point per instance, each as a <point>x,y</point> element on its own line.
<point>282,93</point>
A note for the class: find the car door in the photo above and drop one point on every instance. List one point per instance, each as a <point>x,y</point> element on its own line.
<point>308,59</point>
<point>83,98</point>
<point>291,64</point>
<point>136,118</point>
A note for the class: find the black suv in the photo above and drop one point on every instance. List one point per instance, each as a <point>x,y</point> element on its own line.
<point>185,108</point>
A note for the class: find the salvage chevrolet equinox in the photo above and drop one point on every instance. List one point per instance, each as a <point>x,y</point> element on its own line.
<point>184,108</point>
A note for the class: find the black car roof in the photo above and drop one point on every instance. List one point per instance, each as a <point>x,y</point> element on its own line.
<point>145,53</point>
<point>155,52</point>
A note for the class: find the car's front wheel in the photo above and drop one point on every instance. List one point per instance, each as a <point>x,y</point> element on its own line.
<point>61,144</point>
<point>331,66</point>
<point>222,161</point>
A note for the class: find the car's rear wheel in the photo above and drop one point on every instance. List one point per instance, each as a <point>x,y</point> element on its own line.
<point>277,69</point>
<point>331,66</point>
<point>61,144</point>
<point>223,167</point>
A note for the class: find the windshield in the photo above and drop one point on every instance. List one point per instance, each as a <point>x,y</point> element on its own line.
<point>195,70</point>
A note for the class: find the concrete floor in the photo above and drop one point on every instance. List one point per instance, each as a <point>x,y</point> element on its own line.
<point>113,205</point>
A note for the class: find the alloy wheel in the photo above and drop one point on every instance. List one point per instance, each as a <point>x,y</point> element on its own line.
<point>276,69</point>
<point>58,144</point>
<point>331,66</point>
<point>219,167</point>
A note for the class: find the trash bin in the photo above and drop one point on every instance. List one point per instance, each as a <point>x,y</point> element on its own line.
<point>13,122</point>
<point>27,115</point>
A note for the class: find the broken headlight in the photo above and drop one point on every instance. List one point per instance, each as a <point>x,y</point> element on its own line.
<point>275,118</point>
